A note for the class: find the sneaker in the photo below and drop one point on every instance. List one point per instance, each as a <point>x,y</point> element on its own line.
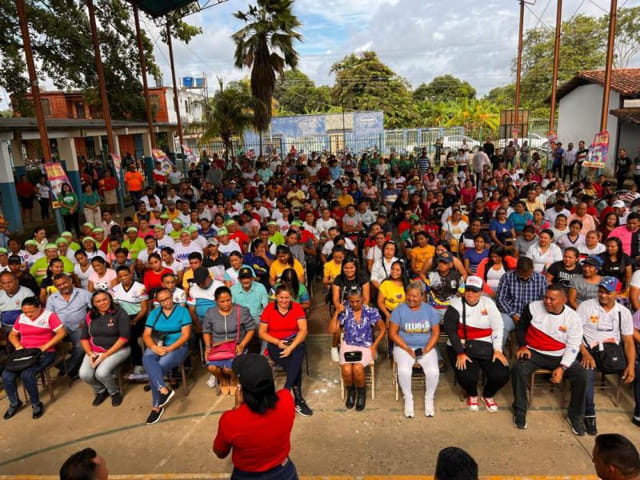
<point>408,408</point>
<point>116,399</point>
<point>303,409</point>
<point>576,427</point>
<point>38,410</point>
<point>636,420</point>
<point>99,398</point>
<point>211,383</point>
<point>472,404</point>
<point>12,410</point>
<point>590,426</point>
<point>429,408</point>
<point>165,398</point>
<point>490,404</point>
<point>335,355</point>
<point>520,421</point>
<point>154,416</point>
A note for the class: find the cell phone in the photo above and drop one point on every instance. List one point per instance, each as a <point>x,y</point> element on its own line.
<point>418,352</point>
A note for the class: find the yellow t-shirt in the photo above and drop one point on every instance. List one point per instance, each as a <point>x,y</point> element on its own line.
<point>278,267</point>
<point>345,200</point>
<point>394,294</point>
<point>422,254</point>
<point>332,270</point>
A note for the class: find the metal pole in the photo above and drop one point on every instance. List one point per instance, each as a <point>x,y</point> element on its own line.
<point>519,64</point>
<point>607,72</point>
<point>176,102</point>
<point>344,131</point>
<point>556,60</point>
<point>101,83</point>
<point>143,69</point>
<point>33,80</point>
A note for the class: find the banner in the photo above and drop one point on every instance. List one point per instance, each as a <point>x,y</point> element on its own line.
<point>598,151</point>
<point>117,163</point>
<point>188,153</point>
<point>57,177</point>
<point>165,162</point>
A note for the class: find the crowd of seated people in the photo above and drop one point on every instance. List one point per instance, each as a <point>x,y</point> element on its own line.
<point>455,264</point>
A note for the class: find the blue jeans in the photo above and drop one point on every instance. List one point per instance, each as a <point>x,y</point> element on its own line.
<point>76,353</point>
<point>509,326</point>
<point>158,366</point>
<point>29,380</point>
<point>636,389</point>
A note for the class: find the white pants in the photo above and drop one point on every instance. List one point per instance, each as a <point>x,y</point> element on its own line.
<point>429,364</point>
<point>93,217</point>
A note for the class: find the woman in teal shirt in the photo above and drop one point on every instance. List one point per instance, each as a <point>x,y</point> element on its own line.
<point>520,217</point>
<point>69,208</point>
<point>91,201</point>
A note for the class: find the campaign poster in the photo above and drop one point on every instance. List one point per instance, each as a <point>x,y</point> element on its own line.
<point>117,163</point>
<point>57,177</point>
<point>160,156</point>
<point>598,151</point>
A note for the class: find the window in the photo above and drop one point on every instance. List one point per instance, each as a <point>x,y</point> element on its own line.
<point>80,110</point>
<point>46,107</point>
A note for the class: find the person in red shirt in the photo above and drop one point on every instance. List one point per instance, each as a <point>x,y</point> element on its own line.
<point>237,235</point>
<point>107,189</point>
<point>26,193</point>
<point>258,429</point>
<point>283,326</point>
<point>135,184</point>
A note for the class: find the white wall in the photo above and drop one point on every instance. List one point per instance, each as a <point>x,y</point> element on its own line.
<point>191,106</point>
<point>579,118</point>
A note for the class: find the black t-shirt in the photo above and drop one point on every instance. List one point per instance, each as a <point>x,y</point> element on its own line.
<point>562,275</point>
<point>106,329</point>
<point>484,216</point>
<point>616,269</point>
<point>221,260</point>
<point>346,284</point>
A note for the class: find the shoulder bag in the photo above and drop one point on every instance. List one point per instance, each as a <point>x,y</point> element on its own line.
<point>609,356</point>
<point>20,360</point>
<point>476,349</point>
<point>225,350</point>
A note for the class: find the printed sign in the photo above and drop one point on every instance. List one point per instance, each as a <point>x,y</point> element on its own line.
<point>57,177</point>
<point>160,156</point>
<point>598,151</point>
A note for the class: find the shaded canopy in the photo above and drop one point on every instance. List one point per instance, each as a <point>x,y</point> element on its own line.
<point>158,8</point>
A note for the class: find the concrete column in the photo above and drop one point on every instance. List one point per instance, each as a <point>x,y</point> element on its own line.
<point>97,144</point>
<point>18,158</point>
<point>10,204</point>
<point>67,149</point>
<point>146,144</point>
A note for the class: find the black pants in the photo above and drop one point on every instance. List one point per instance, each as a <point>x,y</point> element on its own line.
<point>621,178</point>
<point>496,374</point>
<point>134,336</point>
<point>567,170</point>
<point>281,472</point>
<point>44,208</point>
<point>291,364</point>
<point>72,222</point>
<point>521,375</point>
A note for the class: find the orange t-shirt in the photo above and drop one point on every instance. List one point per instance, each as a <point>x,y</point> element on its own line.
<point>134,181</point>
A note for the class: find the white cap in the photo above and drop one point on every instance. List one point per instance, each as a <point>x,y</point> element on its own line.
<point>619,204</point>
<point>474,283</point>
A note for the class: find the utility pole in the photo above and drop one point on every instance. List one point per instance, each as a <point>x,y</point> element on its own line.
<point>143,69</point>
<point>556,60</point>
<point>607,73</point>
<point>519,65</point>
<point>176,101</point>
<point>33,80</point>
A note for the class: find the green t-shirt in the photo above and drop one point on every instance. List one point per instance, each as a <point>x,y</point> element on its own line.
<point>277,239</point>
<point>39,268</point>
<point>134,247</point>
<point>67,201</point>
<point>91,199</point>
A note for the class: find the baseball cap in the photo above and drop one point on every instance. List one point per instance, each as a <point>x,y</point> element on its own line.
<point>51,246</point>
<point>3,251</point>
<point>245,272</point>
<point>66,234</point>
<point>97,230</point>
<point>91,239</point>
<point>611,284</point>
<point>176,220</point>
<point>129,230</point>
<point>192,228</point>
<point>213,241</point>
<point>297,223</point>
<point>594,260</point>
<point>415,217</point>
<point>618,204</point>
<point>272,222</point>
<point>15,260</point>
<point>474,284</point>
<point>164,216</point>
<point>89,224</point>
<point>228,222</point>
<point>445,257</point>
<point>200,274</point>
<point>31,242</point>
<point>158,227</point>
<point>62,240</point>
<point>253,371</point>
<point>223,231</point>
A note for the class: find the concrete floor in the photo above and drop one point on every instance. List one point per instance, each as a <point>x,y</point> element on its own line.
<point>335,441</point>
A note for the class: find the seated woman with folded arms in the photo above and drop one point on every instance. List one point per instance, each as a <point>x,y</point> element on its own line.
<point>104,338</point>
<point>358,349</point>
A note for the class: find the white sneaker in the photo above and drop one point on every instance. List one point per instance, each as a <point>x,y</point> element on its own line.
<point>408,408</point>
<point>335,355</point>
<point>429,408</point>
<point>138,370</point>
<point>211,383</point>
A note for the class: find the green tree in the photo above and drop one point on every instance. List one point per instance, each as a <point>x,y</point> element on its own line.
<point>444,88</point>
<point>627,43</point>
<point>297,94</point>
<point>474,115</point>
<point>230,112</point>
<point>363,82</point>
<point>265,44</point>
<point>503,97</point>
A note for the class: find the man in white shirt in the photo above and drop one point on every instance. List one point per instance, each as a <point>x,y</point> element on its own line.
<point>605,323</point>
<point>558,208</point>
<point>568,163</point>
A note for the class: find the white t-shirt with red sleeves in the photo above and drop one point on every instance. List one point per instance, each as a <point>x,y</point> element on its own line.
<point>37,332</point>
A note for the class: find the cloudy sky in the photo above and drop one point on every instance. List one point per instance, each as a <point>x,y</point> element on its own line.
<point>419,39</point>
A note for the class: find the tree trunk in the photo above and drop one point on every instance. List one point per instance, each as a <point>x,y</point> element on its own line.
<point>260,133</point>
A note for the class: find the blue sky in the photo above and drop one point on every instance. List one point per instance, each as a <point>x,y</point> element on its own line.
<point>420,39</point>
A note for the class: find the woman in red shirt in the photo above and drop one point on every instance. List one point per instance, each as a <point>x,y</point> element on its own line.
<point>283,325</point>
<point>258,429</point>
<point>153,276</point>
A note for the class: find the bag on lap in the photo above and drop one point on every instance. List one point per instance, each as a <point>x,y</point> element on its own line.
<point>225,350</point>
<point>20,360</point>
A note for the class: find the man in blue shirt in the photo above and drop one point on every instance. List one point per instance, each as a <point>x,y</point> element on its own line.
<point>250,294</point>
<point>71,305</point>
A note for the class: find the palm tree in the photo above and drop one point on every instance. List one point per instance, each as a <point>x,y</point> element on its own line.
<point>230,112</point>
<point>265,44</point>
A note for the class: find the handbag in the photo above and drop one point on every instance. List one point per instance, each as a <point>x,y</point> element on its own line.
<point>20,360</point>
<point>476,349</point>
<point>225,350</point>
<point>609,357</point>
